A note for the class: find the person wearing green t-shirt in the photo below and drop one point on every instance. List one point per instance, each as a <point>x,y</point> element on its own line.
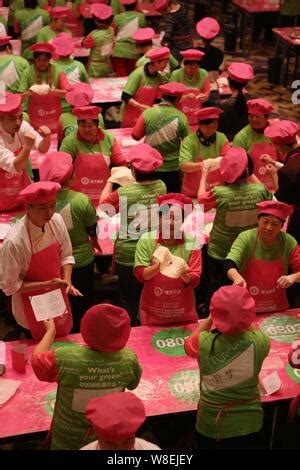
<point>260,258</point>
<point>206,143</point>
<point>11,67</point>
<point>80,219</point>
<point>143,38</point>
<point>58,16</point>
<point>141,89</point>
<point>230,350</point>
<point>197,82</point>
<point>236,211</point>
<point>28,21</point>
<point>100,41</point>
<point>144,161</point>
<point>125,24</point>
<point>100,366</point>
<point>164,128</point>
<point>253,140</point>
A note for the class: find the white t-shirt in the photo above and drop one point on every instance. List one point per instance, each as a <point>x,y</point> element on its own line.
<point>140,444</point>
<point>9,144</point>
<point>16,255</point>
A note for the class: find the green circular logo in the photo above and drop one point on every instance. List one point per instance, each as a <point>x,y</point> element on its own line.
<point>63,344</point>
<point>170,342</point>
<point>184,385</point>
<point>294,374</point>
<point>49,404</point>
<point>281,328</point>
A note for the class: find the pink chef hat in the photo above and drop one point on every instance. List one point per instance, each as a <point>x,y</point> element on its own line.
<point>210,112</point>
<point>208,28</point>
<point>276,208</point>
<point>12,104</point>
<point>192,54</point>
<point>158,54</point>
<point>64,44</point>
<point>5,40</point>
<point>105,327</point>
<point>259,106</point>
<point>43,47</point>
<point>145,158</point>
<point>172,89</point>
<point>232,309</point>
<point>143,35</point>
<point>86,112</point>
<point>160,5</point>
<point>177,199</point>
<point>282,132</point>
<point>115,417</point>
<point>57,166</point>
<point>233,164</point>
<point>240,72</point>
<point>59,12</point>
<point>101,11</point>
<point>40,193</point>
<point>81,94</point>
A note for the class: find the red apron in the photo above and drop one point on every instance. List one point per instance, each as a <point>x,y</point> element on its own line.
<point>191,181</point>
<point>262,287</point>
<point>10,187</point>
<point>165,300</point>
<point>90,175</point>
<point>44,110</point>
<point>45,265</point>
<point>189,106</point>
<point>257,150</point>
<point>144,95</point>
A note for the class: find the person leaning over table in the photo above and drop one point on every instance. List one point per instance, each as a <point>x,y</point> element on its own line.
<point>80,218</point>
<point>105,330</point>
<point>37,258</point>
<point>17,139</point>
<point>230,350</point>
<point>125,24</point>
<point>101,42</point>
<point>205,143</point>
<point>115,419</point>
<point>93,151</point>
<point>141,89</point>
<point>253,140</point>
<point>235,203</point>
<point>164,128</point>
<point>58,16</point>
<point>11,66</point>
<point>260,258</point>
<point>144,160</point>
<point>168,299</point>
<point>81,94</point>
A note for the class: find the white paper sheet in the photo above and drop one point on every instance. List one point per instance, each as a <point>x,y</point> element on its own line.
<point>49,305</point>
<point>4,228</point>
<point>271,383</point>
<point>7,389</point>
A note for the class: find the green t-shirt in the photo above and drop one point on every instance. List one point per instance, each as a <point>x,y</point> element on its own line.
<point>116,6</point>
<point>46,34</point>
<point>247,137</point>
<point>236,212</point>
<point>126,24</point>
<point>135,193</point>
<point>74,70</point>
<point>229,373</point>
<point>31,21</point>
<point>242,249</point>
<point>197,82</point>
<point>78,213</point>
<point>100,56</point>
<point>165,128</point>
<point>191,148</point>
<point>72,145</point>
<point>11,70</point>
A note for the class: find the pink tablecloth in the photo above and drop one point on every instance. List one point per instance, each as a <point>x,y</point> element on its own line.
<point>289,35</point>
<point>258,6</point>
<point>108,90</point>
<point>170,380</point>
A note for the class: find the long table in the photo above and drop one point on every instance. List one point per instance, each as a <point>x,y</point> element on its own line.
<point>170,379</point>
<point>108,90</point>
<point>288,40</point>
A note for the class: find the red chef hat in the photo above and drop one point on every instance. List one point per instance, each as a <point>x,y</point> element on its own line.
<point>40,193</point>
<point>86,112</point>
<point>259,106</point>
<point>208,28</point>
<point>192,54</point>
<point>282,132</point>
<point>158,54</point>
<point>56,166</point>
<point>12,104</point>
<point>233,164</point>
<point>240,72</point>
<point>276,208</point>
<point>145,158</point>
